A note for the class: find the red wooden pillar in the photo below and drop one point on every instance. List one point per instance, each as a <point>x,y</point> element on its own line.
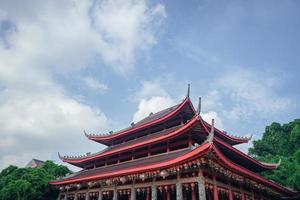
<point>193,191</point>
<point>243,195</point>
<point>230,195</point>
<point>148,194</point>
<point>168,193</point>
<point>253,197</point>
<point>216,196</point>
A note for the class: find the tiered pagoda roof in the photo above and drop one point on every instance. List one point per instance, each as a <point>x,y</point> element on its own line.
<point>171,127</point>
<point>185,107</point>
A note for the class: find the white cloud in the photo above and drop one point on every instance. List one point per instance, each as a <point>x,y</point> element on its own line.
<point>208,116</point>
<point>94,84</point>
<point>150,89</point>
<point>50,37</point>
<point>41,124</point>
<point>125,26</point>
<point>73,33</point>
<point>153,104</point>
<point>152,98</point>
<point>212,100</point>
<point>251,94</point>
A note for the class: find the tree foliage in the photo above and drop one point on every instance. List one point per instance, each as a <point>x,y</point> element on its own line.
<point>281,142</point>
<point>30,183</point>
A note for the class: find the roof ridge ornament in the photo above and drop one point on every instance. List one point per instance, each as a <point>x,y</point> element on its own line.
<point>86,134</point>
<point>249,137</point>
<point>188,91</point>
<point>210,137</point>
<point>199,106</point>
<point>60,156</point>
<point>278,164</point>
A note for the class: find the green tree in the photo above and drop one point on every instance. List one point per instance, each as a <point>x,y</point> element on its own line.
<point>281,142</point>
<point>30,183</point>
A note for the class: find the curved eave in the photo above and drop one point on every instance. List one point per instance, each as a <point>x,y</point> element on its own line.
<point>105,139</point>
<point>228,138</point>
<point>176,132</point>
<point>251,175</point>
<point>197,152</point>
<point>263,166</point>
<point>271,165</point>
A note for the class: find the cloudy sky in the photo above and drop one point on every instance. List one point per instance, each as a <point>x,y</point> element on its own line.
<point>73,65</point>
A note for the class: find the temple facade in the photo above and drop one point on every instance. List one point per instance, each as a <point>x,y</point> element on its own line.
<point>169,155</point>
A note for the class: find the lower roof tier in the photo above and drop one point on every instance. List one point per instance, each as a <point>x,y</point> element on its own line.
<point>108,171</point>
<point>171,161</point>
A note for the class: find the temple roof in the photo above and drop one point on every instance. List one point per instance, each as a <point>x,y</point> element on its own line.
<point>164,161</point>
<point>231,152</point>
<point>236,155</point>
<point>146,140</point>
<point>160,117</point>
<point>230,139</point>
<point>140,165</point>
<point>249,174</point>
<point>151,120</point>
<point>243,159</point>
<point>142,162</point>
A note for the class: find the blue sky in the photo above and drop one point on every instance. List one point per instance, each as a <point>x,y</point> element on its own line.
<point>69,66</point>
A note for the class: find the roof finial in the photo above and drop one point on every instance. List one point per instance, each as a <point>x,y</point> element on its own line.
<point>199,106</point>
<point>210,137</point>
<point>60,157</point>
<point>188,92</point>
<point>87,135</point>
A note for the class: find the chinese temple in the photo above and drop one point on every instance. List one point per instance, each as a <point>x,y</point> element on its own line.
<point>172,154</point>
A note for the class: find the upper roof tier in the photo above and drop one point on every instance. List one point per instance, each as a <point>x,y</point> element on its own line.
<point>179,113</point>
<point>184,109</point>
